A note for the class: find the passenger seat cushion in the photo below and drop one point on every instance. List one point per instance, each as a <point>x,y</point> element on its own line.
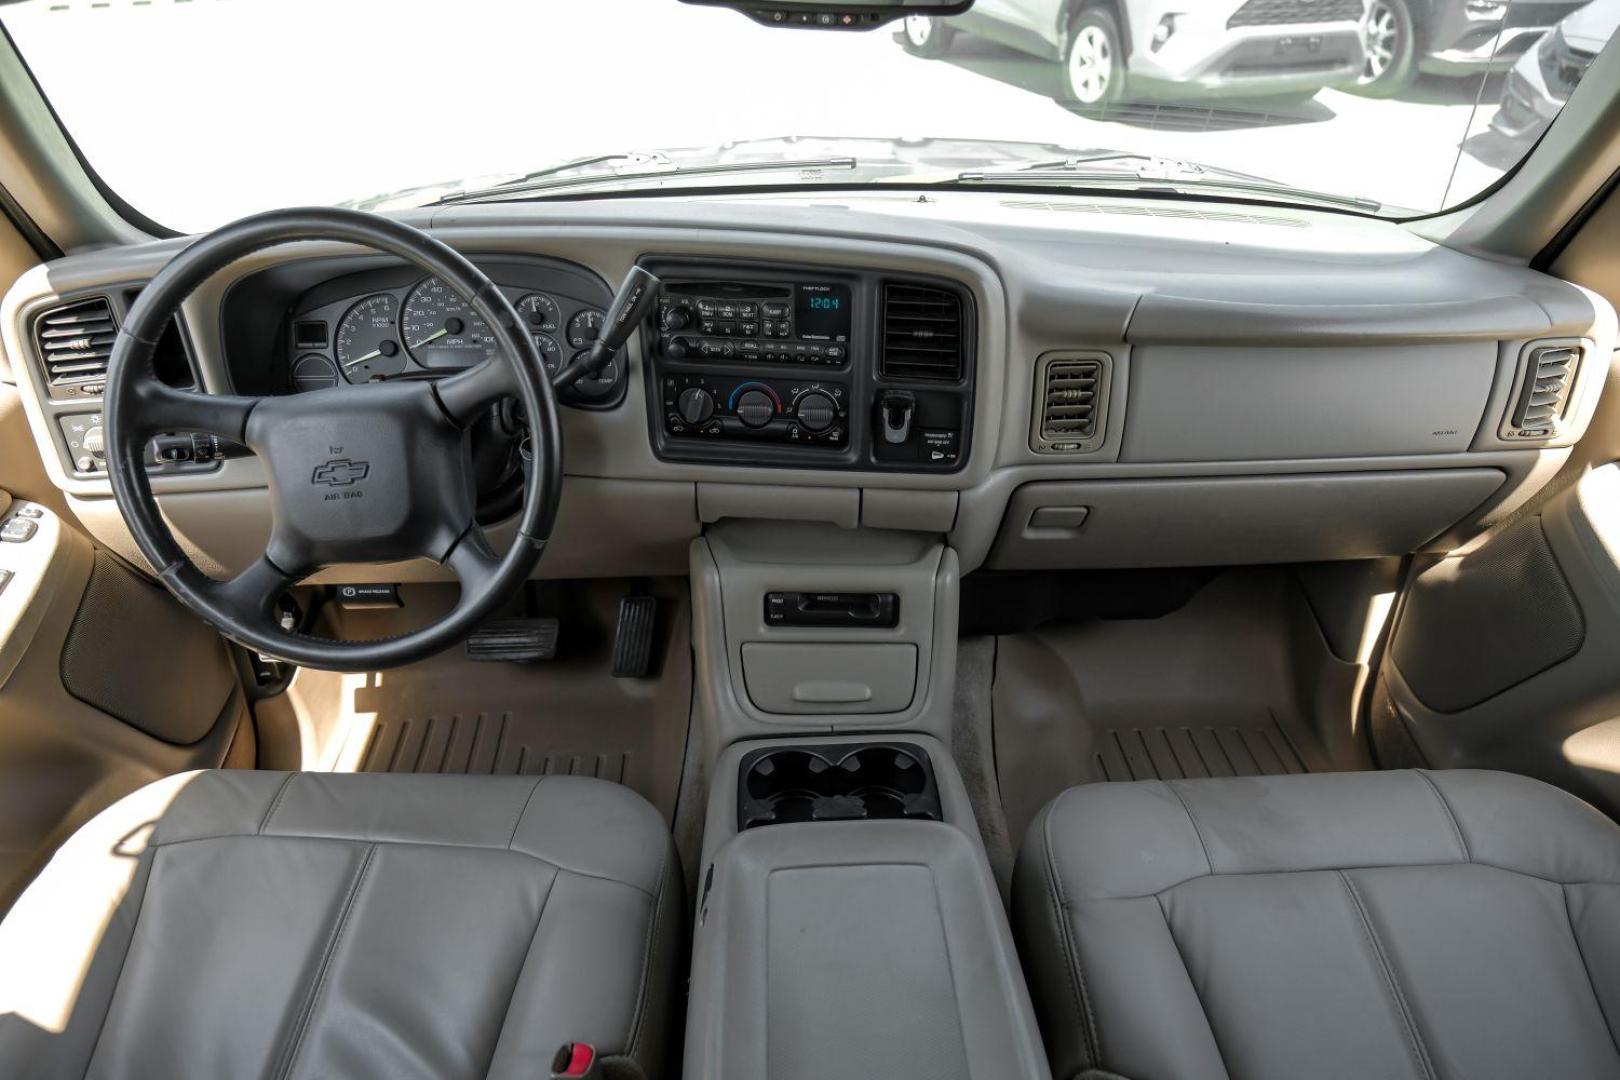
<point>308,924</point>
<point>1395,924</point>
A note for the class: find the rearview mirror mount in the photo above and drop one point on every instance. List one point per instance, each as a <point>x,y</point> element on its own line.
<point>819,15</point>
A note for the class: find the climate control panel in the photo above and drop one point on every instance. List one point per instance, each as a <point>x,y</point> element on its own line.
<point>739,408</point>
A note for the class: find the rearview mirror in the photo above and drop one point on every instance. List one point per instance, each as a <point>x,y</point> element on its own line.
<point>819,15</point>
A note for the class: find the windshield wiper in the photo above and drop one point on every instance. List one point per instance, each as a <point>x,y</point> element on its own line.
<point>1158,172</point>
<point>546,179</point>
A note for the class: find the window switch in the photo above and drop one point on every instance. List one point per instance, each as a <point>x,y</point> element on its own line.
<point>18,530</point>
<point>31,510</point>
<point>5,579</point>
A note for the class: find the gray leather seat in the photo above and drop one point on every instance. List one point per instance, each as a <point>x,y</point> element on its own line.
<point>238,924</point>
<point>1375,925</point>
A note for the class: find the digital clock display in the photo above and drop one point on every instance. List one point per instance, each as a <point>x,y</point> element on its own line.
<point>822,312</point>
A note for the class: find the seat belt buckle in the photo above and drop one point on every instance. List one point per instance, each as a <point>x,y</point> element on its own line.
<point>576,1061</point>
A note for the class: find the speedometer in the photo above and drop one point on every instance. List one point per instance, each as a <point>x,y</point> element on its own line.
<point>441,329</point>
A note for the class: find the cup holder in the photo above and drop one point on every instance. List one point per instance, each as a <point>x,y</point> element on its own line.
<point>841,782</point>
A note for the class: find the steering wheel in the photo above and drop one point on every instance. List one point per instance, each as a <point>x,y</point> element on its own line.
<point>375,476</point>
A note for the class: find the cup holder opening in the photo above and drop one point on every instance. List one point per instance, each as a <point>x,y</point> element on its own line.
<point>841,782</point>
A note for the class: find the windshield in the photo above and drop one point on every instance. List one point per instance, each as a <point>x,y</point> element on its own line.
<point>197,112</point>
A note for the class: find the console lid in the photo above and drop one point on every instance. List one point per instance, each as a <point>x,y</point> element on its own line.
<point>869,948</point>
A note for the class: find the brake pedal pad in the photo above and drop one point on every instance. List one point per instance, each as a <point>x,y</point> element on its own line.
<point>633,639</point>
<point>514,641</point>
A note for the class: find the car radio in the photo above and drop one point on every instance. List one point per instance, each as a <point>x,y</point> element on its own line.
<point>778,323</point>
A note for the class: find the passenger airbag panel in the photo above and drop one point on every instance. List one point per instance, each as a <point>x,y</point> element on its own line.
<point>1250,404</point>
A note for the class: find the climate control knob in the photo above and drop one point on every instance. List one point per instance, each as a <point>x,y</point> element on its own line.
<point>816,411</point>
<point>696,405</point>
<point>755,408</point>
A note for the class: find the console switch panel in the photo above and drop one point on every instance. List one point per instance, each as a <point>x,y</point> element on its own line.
<point>877,610</point>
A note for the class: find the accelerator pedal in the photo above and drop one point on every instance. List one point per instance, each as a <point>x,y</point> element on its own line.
<point>514,641</point>
<point>633,638</point>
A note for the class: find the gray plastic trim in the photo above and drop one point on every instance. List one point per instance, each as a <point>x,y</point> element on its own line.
<point>736,563</point>
<point>1237,521</point>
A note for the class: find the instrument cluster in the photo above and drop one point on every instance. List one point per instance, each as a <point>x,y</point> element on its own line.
<point>390,324</point>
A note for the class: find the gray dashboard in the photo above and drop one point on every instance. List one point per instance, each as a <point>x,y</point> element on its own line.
<point>1240,360</point>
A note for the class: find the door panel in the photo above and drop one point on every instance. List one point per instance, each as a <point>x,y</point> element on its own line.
<point>1508,656</point>
<point>171,701</point>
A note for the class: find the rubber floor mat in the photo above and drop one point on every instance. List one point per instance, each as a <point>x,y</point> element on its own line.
<point>1186,752</point>
<point>1232,684</point>
<point>567,716</point>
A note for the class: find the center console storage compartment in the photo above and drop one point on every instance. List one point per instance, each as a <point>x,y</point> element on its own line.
<point>836,782</point>
<point>858,948</point>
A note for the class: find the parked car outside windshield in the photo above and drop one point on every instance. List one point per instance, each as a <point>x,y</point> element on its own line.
<point>232,106</point>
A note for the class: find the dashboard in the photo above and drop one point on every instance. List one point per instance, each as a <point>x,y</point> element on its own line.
<point>1053,382</point>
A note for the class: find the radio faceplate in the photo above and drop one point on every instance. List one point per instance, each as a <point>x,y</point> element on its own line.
<point>802,323</point>
<point>759,364</point>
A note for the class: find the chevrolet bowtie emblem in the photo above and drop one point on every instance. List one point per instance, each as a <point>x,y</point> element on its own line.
<point>341,472</point>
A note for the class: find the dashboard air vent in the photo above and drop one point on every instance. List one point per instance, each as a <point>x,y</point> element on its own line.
<point>1069,407</point>
<point>75,342</point>
<point>1547,384</point>
<point>922,333</point>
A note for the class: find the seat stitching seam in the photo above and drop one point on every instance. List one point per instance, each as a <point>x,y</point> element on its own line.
<point>511,997</point>
<point>522,813</point>
<point>1420,1053</point>
<point>1279,871</point>
<point>647,946</point>
<point>1071,961</point>
<point>317,990</point>
<point>1587,967</point>
<point>140,907</point>
<point>1451,815</point>
<point>1176,945</point>
<point>413,843</point>
<point>275,802</point>
<point>1193,821</point>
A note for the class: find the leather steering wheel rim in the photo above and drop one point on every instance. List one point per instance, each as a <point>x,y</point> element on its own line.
<point>391,501</point>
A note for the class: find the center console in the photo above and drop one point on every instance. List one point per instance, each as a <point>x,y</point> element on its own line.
<point>765,364</point>
<point>863,935</point>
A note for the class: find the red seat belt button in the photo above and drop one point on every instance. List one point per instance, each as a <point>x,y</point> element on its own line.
<point>575,1061</point>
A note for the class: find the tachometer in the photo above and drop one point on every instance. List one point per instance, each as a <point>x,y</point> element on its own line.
<point>441,329</point>
<point>368,340</point>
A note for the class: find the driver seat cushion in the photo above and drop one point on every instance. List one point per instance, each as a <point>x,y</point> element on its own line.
<point>1390,924</point>
<point>243,924</point>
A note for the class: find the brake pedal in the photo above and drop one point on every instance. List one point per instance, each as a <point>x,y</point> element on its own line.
<point>514,641</point>
<point>633,638</point>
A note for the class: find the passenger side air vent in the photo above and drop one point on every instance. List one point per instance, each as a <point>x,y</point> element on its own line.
<point>75,342</point>
<point>1543,399</point>
<point>922,333</point>
<point>1070,403</point>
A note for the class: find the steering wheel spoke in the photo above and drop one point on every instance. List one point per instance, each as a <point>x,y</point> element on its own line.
<point>162,409</point>
<point>465,396</point>
<point>255,590</point>
<point>474,561</point>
